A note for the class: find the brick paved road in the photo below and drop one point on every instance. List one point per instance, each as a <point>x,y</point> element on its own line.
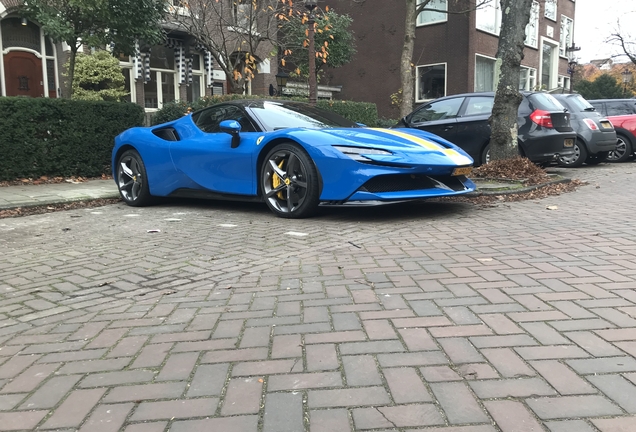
<point>439,317</point>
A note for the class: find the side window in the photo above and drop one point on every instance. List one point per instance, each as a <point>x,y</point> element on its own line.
<point>479,106</point>
<point>209,120</point>
<point>600,108</point>
<point>439,110</point>
<point>619,108</point>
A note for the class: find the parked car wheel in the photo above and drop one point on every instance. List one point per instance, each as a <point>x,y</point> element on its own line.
<point>132,180</point>
<point>577,159</point>
<point>289,182</point>
<point>597,158</point>
<point>485,155</point>
<point>623,150</point>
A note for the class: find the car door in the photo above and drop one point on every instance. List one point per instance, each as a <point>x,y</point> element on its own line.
<point>207,157</point>
<point>438,117</point>
<point>472,131</point>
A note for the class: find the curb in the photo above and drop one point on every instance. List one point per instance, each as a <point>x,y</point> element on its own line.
<point>478,193</point>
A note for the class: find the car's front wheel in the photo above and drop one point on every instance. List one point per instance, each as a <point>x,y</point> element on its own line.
<point>132,179</point>
<point>623,150</point>
<point>289,182</point>
<point>577,159</point>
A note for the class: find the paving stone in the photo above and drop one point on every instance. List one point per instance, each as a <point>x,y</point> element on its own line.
<point>458,403</point>
<point>226,424</point>
<point>107,418</point>
<point>572,407</point>
<point>51,392</point>
<point>348,397</point>
<point>176,409</point>
<point>406,386</point>
<point>620,424</point>
<point>511,388</point>
<point>283,412</point>
<point>563,379</point>
<point>74,409</point>
<point>569,426</point>
<point>512,416</point>
<point>20,420</point>
<point>397,416</point>
<point>208,380</point>
<point>145,392</point>
<point>329,420</point>
<point>243,396</point>
<point>618,389</point>
<point>304,381</point>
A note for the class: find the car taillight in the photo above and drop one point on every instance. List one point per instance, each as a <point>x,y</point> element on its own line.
<point>590,123</point>
<point>542,118</point>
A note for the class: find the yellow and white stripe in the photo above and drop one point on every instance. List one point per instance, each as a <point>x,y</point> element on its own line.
<point>453,155</point>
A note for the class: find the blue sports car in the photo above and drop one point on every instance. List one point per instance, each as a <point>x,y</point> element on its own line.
<point>291,155</point>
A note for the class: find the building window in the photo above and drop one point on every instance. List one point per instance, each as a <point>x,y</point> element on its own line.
<point>549,59</point>
<point>551,9</point>
<point>244,16</point>
<point>527,78</point>
<point>532,29</point>
<point>195,88</point>
<point>564,82</point>
<point>488,17</point>
<point>430,82</point>
<point>431,17</point>
<point>161,88</point>
<point>567,29</point>
<point>484,74</point>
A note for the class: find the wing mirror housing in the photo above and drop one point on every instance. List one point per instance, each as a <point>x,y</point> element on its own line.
<point>233,128</point>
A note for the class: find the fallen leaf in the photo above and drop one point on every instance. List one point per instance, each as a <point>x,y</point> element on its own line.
<point>552,207</point>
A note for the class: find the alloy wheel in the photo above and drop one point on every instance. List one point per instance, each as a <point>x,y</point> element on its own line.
<point>129,178</point>
<point>285,181</point>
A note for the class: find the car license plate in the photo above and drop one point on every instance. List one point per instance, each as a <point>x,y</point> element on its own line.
<point>462,171</point>
<point>606,125</point>
<point>569,142</point>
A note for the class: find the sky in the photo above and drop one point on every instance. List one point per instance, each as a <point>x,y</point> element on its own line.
<point>595,20</point>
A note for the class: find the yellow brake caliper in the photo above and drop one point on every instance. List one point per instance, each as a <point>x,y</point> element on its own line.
<point>276,181</point>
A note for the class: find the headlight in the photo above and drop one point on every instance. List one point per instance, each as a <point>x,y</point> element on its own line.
<point>357,153</point>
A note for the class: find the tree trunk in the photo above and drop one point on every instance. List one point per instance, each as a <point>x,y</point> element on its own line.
<point>71,68</point>
<point>503,121</point>
<point>406,68</point>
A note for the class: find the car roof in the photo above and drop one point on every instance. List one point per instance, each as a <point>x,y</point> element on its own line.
<point>613,100</point>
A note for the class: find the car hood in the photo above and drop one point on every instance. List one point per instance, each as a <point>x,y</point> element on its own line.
<point>399,142</point>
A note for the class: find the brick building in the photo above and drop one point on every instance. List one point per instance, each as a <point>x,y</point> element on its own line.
<point>178,69</point>
<point>454,53</point>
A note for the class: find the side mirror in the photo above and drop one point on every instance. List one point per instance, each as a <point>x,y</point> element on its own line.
<point>362,125</point>
<point>233,128</point>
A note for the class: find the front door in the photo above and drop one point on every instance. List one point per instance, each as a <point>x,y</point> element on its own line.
<point>23,72</point>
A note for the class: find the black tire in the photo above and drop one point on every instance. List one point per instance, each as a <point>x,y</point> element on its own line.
<point>289,182</point>
<point>623,150</point>
<point>485,155</point>
<point>132,179</point>
<point>597,158</point>
<point>577,159</point>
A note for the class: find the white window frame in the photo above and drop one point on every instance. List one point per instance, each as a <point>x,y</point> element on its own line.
<point>240,24</point>
<point>417,80</point>
<point>201,74</point>
<point>127,67</point>
<point>550,13</point>
<point>433,5</point>
<point>495,77</point>
<point>564,82</point>
<point>554,67</point>
<point>533,26</point>
<point>177,7</point>
<point>494,8</point>
<point>531,78</point>
<point>565,43</point>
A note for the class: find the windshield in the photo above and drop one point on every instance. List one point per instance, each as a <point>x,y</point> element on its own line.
<point>546,102</point>
<point>276,115</point>
<point>576,104</point>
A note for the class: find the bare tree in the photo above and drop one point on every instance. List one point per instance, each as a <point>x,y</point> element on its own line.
<point>503,121</point>
<point>625,43</point>
<point>239,34</point>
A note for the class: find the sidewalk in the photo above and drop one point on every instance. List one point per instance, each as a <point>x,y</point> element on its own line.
<point>59,193</point>
<point>55,193</point>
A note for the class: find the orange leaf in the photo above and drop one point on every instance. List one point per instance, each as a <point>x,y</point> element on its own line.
<point>326,8</point>
<point>282,62</point>
<point>326,44</point>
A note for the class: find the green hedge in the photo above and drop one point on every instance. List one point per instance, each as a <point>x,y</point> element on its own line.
<point>60,137</point>
<point>360,112</point>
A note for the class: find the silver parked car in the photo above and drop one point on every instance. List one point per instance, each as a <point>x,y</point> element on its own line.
<point>595,134</point>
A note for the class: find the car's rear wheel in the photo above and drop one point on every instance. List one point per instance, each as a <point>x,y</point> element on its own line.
<point>485,155</point>
<point>132,180</point>
<point>289,182</point>
<point>623,150</point>
<point>577,159</point>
